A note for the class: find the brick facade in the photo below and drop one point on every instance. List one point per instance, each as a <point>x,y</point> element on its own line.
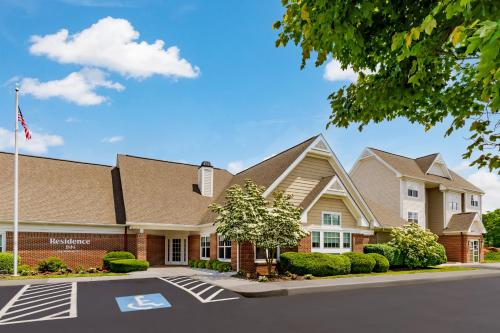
<point>213,246</point>
<point>360,240</point>
<point>457,247</point>
<point>155,250</point>
<point>305,244</point>
<point>35,246</point>
<point>142,246</point>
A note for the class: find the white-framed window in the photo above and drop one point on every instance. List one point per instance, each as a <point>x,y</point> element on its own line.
<point>315,239</point>
<point>346,240</point>
<point>223,249</point>
<point>413,217</point>
<point>331,240</point>
<point>205,247</point>
<point>454,205</point>
<point>331,219</point>
<point>2,242</point>
<point>474,200</point>
<point>412,190</point>
<point>260,254</point>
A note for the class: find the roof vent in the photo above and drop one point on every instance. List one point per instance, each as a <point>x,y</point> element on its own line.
<point>206,179</point>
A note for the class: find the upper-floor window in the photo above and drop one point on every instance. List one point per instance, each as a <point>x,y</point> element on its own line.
<point>454,205</point>
<point>413,191</point>
<point>413,217</point>
<point>474,200</point>
<point>331,219</point>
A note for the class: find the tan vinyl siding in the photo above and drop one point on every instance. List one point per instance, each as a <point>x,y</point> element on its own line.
<point>331,205</point>
<point>435,213</point>
<point>306,175</point>
<point>377,183</point>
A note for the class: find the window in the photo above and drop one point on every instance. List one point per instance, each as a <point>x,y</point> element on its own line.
<point>332,219</point>
<point>260,254</point>
<point>331,240</point>
<point>454,205</point>
<point>315,239</point>
<point>413,217</point>
<point>474,200</point>
<point>412,191</point>
<point>205,247</point>
<point>2,247</point>
<point>347,240</point>
<point>224,248</point>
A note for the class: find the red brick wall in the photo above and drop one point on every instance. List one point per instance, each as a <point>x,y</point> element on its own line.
<point>457,247</point>
<point>359,240</point>
<point>194,247</point>
<point>156,250</point>
<point>305,244</point>
<point>213,246</point>
<point>142,246</point>
<point>35,246</point>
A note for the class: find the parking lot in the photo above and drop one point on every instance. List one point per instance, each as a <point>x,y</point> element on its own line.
<point>186,304</point>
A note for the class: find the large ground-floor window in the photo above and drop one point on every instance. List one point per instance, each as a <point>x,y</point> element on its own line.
<point>224,249</point>
<point>331,241</point>
<point>205,247</point>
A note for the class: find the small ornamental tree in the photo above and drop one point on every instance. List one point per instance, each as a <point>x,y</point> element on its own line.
<point>280,228</point>
<point>418,247</point>
<point>243,209</point>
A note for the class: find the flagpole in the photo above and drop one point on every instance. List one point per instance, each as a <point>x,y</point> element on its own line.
<point>16,185</point>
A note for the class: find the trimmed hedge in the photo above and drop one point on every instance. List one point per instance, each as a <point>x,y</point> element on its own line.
<point>360,262</point>
<point>381,263</point>
<point>128,265</point>
<point>390,252</point>
<point>115,255</point>
<point>317,264</point>
<point>51,265</point>
<point>7,262</point>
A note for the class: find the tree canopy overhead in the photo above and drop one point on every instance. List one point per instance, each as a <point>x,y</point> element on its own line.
<point>422,60</point>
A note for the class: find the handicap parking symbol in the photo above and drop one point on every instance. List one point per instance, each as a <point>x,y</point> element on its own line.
<point>142,302</point>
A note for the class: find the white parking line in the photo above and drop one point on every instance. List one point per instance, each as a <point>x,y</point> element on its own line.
<point>40,307</point>
<point>209,299</point>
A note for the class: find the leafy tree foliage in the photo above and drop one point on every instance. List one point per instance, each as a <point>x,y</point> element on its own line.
<point>427,61</point>
<point>491,221</point>
<point>246,216</point>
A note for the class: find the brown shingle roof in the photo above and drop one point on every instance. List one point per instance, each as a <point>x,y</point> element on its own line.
<point>409,167</point>
<point>52,190</point>
<point>165,192</point>
<point>461,222</point>
<point>425,162</point>
<point>386,217</point>
<point>315,191</point>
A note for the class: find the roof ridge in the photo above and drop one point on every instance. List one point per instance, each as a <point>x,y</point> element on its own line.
<point>166,161</point>
<point>278,154</point>
<point>399,155</point>
<point>426,156</point>
<point>59,159</point>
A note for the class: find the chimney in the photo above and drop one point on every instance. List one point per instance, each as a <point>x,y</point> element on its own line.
<point>206,179</point>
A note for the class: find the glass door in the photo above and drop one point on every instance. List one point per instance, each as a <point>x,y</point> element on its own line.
<point>176,251</point>
<point>474,250</point>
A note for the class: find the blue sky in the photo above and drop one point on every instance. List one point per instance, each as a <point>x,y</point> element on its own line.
<point>235,99</point>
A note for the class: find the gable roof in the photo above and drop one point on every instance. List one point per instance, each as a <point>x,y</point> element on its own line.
<point>53,190</point>
<point>461,222</point>
<point>412,168</point>
<point>425,162</point>
<point>164,192</point>
<point>386,217</point>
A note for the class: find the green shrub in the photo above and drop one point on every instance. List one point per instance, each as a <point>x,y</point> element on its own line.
<point>215,264</point>
<point>224,267</point>
<point>201,264</point>
<point>317,264</point>
<point>128,265</point>
<point>360,262</point>
<point>381,263</point>
<point>208,264</point>
<point>115,255</point>
<point>492,257</point>
<point>191,263</point>
<point>438,256</point>
<point>25,270</point>
<point>51,265</point>
<point>383,249</point>
<point>7,262</point>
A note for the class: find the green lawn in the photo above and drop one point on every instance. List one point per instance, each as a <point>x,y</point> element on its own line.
<point>492,257</point>
<point>61,276</point>
<point>409,271</point>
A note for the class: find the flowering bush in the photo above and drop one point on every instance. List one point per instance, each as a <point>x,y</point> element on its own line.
<point>418,247</point>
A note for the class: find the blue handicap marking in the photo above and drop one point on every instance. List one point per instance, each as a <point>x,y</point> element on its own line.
<point>142,302</point>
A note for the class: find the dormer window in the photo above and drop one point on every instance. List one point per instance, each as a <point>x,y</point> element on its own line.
<point>474,200</point>
<point>413,191</point>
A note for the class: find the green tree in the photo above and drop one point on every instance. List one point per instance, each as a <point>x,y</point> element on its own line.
<point>427,61</point>
<point>246,216</point>
<point>491,221</point>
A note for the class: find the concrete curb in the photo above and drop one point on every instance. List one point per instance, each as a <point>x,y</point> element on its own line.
<point>288,291</point>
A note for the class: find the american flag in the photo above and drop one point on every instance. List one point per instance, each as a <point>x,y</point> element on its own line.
<point>26,129</point>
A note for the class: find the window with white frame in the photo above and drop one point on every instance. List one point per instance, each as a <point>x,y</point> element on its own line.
<point>413,217</point>
<point>2,246</point>
<point>224,248</point>
<point>315,239</point>
<point>260,253</point>
<point>454,205</point>
<point>413,190</point>
<point>346,240</point>
<point>474,200</point>
<point>331,219</point>
<point>331,240</point>
<point>205,247</point>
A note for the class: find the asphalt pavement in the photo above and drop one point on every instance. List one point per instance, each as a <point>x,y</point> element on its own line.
<point>184,304</point>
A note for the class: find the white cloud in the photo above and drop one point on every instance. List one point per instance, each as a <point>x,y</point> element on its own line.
<point>113,139</point>
<point>77,87</point>
<point>235,166</point>
<point>113,44</point>
<point>334,72</point>
<point>72,120</point>
<point>490,184</point>
<point>39,143</point>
